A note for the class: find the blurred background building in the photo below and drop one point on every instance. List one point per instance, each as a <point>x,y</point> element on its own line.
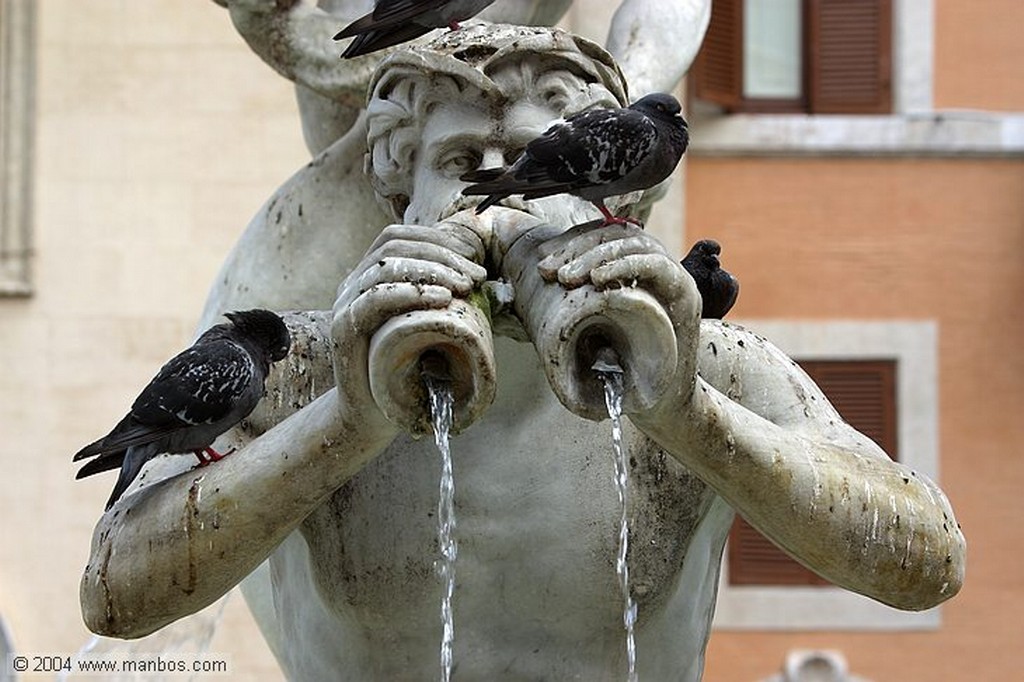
<point>861,161</point>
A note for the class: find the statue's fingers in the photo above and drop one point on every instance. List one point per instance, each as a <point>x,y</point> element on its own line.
<point>457,238</point>
<point>658,273</point>
<point>396,269</point>
<point>384,301</point>
<point>428,253</point>
<point>577,271</point>
<point>581,238</point>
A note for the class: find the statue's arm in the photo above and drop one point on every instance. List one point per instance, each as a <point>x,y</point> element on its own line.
<point>779,453</point>
<point>170,549</point>
<point>179,544</point>
<point>656,41</point>
<point>295,38</point>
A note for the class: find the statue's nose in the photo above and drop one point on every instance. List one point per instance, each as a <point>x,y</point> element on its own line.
<point>494,157</point>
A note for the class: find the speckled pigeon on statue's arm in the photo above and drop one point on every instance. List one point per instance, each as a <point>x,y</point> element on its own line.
<point>194,398</point>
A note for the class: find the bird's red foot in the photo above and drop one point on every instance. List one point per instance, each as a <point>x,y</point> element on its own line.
<point>209,455</point>
<point>610,219</point>
<point>616,220</point>
<point>453,26</point>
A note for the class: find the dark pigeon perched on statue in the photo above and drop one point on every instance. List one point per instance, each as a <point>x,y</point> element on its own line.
<point>198,395</point>
<point>717,287</point>
<point>396,21</point>
<point>594,154</point>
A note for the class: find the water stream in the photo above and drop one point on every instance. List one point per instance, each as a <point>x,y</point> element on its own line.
<point>187,639</point>
<point>441,405</point>
<point>611,377</point>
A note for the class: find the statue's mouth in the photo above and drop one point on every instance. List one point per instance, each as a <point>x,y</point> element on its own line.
<point>514,202</point>
<point>564,210</point>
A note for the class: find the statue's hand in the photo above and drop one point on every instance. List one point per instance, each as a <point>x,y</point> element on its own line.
<point>624,256</point>
<point>407,268</point>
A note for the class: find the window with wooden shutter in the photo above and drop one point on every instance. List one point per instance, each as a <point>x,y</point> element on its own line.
<point>845,63</point>
<point>850,44</point>
<point>864,393</point>
<point>717,74</point>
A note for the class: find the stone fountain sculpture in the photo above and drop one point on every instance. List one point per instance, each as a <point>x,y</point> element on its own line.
<point>325,512</point>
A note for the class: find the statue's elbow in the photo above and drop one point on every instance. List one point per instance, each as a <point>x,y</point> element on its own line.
<point>934,579</point>
<point>102,609</point>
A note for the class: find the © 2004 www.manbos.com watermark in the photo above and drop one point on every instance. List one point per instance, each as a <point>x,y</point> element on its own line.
<point>24,665</point>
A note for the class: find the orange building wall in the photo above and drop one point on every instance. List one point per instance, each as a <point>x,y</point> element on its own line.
<point>979,50</point>
<point>912,239</point>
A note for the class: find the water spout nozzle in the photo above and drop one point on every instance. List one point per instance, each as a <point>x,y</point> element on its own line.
<point>434,366</point>
<point>606,361</point>
<point>452,345</point>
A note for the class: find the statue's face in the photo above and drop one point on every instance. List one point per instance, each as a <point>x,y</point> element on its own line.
<point>464,135</point>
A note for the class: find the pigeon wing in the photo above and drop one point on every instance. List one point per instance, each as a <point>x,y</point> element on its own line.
<point>199,386</point>
<point>387,14</point>
<point>592,148</point>
<point>377,39</point>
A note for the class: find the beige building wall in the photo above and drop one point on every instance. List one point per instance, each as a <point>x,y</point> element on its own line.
<point>158,134</point>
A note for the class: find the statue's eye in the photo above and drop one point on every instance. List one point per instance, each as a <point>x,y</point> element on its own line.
<point>459,161</point>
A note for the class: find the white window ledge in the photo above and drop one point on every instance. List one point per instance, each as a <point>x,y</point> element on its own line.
<point>914,346</point>
<point>943,133</point>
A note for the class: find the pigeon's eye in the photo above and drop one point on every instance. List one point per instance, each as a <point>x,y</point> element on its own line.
<point>459,162</point>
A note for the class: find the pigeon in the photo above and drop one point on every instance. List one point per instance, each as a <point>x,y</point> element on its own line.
<point>198,395</point>
<point>593,154</point>
<point>396,21</point>
<point>718,288</point>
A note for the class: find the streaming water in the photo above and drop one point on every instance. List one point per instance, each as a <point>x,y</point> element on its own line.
<point>187,640</point>
<point>613,389</point>
<point>441,405</point>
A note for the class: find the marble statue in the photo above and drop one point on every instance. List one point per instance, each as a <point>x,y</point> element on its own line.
<point>325,512</point>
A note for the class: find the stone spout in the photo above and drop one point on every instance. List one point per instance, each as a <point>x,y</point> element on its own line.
<point>574,328</point>
<point>453,343</point>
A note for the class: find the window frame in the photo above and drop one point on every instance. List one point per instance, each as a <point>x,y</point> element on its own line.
<point>17,129</point>
<point>914,128</point>
<point>726,44</point>
<point>914,345</point>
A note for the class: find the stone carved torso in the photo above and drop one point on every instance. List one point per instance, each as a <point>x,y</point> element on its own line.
<point>537,518</point>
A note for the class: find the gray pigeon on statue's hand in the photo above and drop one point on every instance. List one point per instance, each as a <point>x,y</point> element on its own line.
<point>396,21</point>
<point>718,288</point>
<point>198,395</point>
<point>594,154</point>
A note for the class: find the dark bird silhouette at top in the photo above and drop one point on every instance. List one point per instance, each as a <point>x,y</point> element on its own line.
<point>397,21</point>
<point>194,398</point>
<point>594,154</point>
<point>717,287</point>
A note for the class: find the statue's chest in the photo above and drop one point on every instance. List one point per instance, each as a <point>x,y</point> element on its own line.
<point>537,515</point>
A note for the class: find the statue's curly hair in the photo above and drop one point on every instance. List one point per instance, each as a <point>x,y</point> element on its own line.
<point>457,64</point>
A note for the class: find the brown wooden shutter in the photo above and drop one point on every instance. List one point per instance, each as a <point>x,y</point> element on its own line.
<point>717,73</point>
<point>864,394</point>
<point>850,56</point>
<point>755,560</point>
